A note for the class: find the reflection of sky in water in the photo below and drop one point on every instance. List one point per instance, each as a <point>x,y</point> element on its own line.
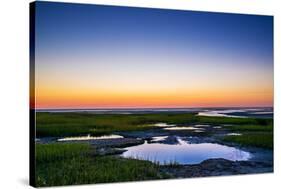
<point>239,113</point>
<point>199,131</point>
<point>89,137</point>
<point>202,125</point>
<point>222,113</point>
<point>164,125</point>
<point>234,134</point>
<point>269,112</point>
<point>184,153</point>
<point>158,138</point>
<point>183,128</point>
<point>217,127</point>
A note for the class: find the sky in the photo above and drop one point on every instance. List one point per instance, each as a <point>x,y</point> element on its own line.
<point>92,56</point>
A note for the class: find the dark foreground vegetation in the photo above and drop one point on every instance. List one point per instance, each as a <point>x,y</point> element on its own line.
<point>69,164</point>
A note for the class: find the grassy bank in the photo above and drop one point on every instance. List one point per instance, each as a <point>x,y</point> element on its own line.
<point>69,164</point>
<point>263,140</point>
<point>252,128</point>
<point>67,124</point>
<point>252,135</point>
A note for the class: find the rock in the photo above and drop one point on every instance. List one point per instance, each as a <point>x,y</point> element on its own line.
<point>217,167</point>
<point>109,151</point>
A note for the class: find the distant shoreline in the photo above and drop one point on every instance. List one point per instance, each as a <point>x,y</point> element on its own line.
<point>254,112</point>
<point>146,109</point>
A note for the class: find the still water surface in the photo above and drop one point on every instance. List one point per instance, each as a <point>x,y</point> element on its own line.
<point>184,152</point>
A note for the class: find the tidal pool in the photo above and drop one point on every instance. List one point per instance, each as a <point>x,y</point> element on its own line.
<point>164,125</point>
<point>234,134</point>
<point>184,152</point>
<point>202,125</point>
<point>239,113</point>
<point>89,137</point>
<point>182,128</point>
<point>158,138</point>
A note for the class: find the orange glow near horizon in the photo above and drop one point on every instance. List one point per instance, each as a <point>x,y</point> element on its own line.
<point>138,89</point>
<point>48,98</point>
<point>152,86</point>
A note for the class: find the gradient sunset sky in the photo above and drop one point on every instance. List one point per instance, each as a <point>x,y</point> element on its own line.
<point>89,56</point>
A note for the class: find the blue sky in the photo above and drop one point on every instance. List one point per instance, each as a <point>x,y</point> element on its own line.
<point>83,44</point>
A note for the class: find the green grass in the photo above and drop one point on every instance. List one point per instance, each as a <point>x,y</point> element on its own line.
<point>234,121</point>
<point>54,152</point>
<point>254,128</point>
<point>70,164</point>
<point>67,124</point>
<point>252,135</point>
<point>263,140</point>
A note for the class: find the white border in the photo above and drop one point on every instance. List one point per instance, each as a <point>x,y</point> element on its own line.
<point>14,82</point>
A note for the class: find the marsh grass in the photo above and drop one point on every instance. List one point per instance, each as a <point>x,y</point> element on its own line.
<point>67,124</point>
<point>234,121</point>
<point>262,140</point>
<point>255,128</point>
<point>78,163</point>
<point>70,164</point>
<point>70,124</point>
<point>252,135</point>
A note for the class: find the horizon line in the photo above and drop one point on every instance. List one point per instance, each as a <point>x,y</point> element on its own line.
<point>127,108</point>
